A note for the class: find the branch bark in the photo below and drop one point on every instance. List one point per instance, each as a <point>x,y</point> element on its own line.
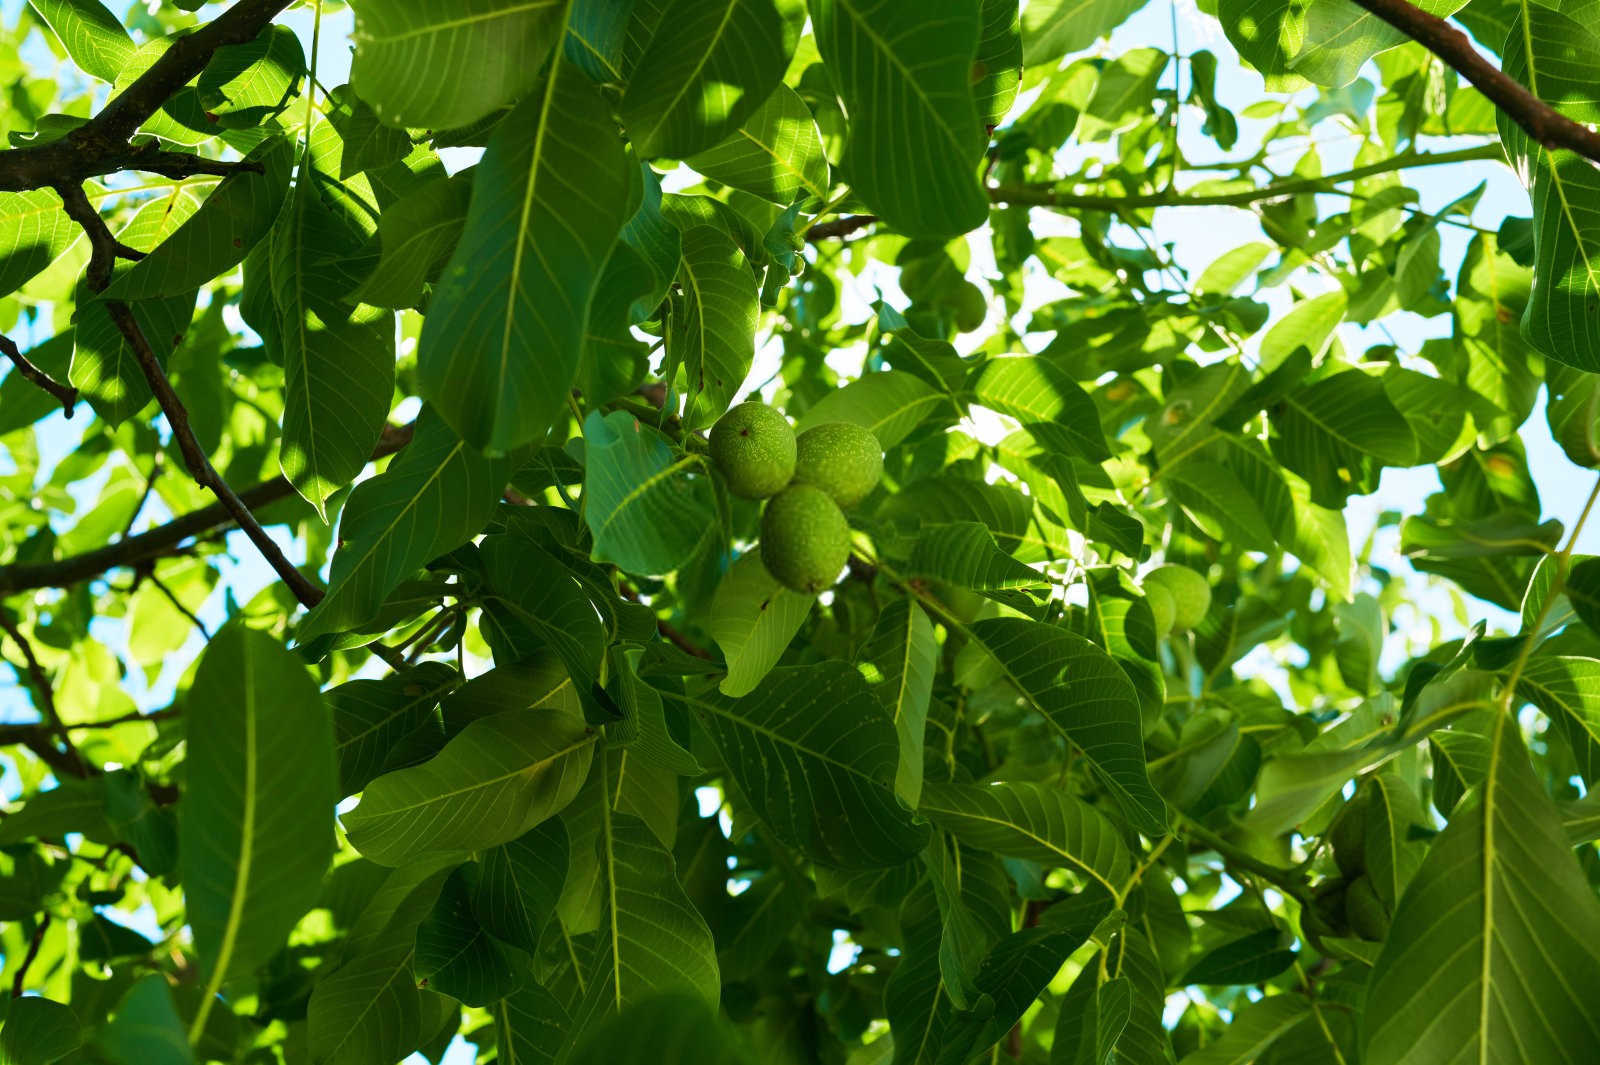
<point>44,696</point>
<point>1052,195</point>
<point>103,253</point>
<point>1538,119</point>
<point>101,145</point>
<point>165,539</point>
<point>66,395</point>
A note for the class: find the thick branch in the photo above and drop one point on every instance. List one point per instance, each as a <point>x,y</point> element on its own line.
<point>100,146</point>
<point>1541,121</point>
<point>163,540</point>
<point>66,395</point>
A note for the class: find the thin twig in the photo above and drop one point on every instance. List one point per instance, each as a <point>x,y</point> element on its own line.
<point>1539,120</point>
<point>178,604</point>
<point>144,497</point>
<point>19,982</point>
<point>44,692</point>
<point>165,539</point>
<point>65,395</point>
<point>840,227</point>
<point>101,256</point>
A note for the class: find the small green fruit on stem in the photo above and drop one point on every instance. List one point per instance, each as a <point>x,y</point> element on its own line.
<point>843,459</point>
<point>1191,595</point>
<point>805,540</point>
<point>753,447</point>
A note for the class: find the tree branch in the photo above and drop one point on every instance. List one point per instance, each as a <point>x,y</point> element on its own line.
<point>1050,195</point>
<point>44,695</point>
<point>101,145</point>
<point>164,539</point>
<point>19,982</point>
<point>1541,121</point>
<point>66,395</point>
<point>840,227</point>
<point>103,253</point>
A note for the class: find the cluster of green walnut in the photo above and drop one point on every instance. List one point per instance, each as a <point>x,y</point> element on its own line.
<point>807,480</point>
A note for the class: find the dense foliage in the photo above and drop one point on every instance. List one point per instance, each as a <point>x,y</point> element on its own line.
<point>1118,733</point>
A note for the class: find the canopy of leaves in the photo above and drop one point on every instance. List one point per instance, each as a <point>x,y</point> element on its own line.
<point>396,679</point>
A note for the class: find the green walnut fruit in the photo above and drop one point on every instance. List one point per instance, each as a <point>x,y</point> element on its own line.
<point>805,540</point>
<point>1191,595</point>
<point>1162,607</point>
<point>1364,911</point>
<point>843,459</point>
<point>754,447</point>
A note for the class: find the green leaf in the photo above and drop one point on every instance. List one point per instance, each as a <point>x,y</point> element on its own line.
<point>34,231</point>
<point>906,652</point>
<point>371,716</point>
<point>248,83</point>
<point>1036,391</point>
<point>775,154</point>
<point>1342,36</point>
<point>997,67</point>
<point>255,825</point>
<point>368,1010</point>
<point>752,619</point>
<point>93,37</point>
<point>1017,970</point>
<point>497,780</point>
<point>530,1026</point>
<point>652,939</point>
<point>1254,1028</point>
<point>70,806</point>
<point>816,756</point>
<point>1053,28</point>
<point>519,884</point>
<point>964,553</point>
<point>1030,821</point>
<point>37,1031</point>
<point>891,403</point>
<point>146,1029</point>
<point>338,360</point>
<point>456,956</point>
<point>216,238</point>
<point>368,145</point>
<point>1499,887</point>
<point>477,55</point>
<point>715,337</point>
<point>417,235</point>
<point>534,603</point>
<point>708,66</point>
<point>647,508</point>
<point>502,338</point>
<point>434,496</point>
<point>1251,959</point>
<point>1268,35</point>
<point>669,1029</point>
<point>904,74</point>
<point>1567,690</point>
<point>1554,54</point>
<point>1082,691</point>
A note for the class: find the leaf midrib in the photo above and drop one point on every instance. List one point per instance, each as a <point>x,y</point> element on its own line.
<point>455,24</point>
